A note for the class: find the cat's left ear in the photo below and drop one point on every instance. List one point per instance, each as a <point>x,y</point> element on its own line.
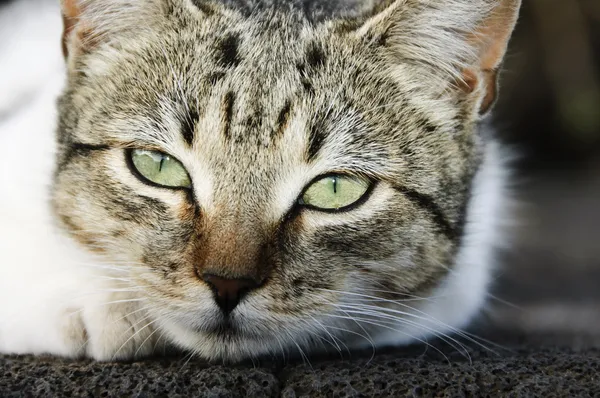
<point>490,41</point>
<point>461,43</point>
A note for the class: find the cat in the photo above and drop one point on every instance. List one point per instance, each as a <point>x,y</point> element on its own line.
<point>240,178</point>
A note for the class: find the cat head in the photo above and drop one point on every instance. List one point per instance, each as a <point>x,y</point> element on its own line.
<point>267,179</point>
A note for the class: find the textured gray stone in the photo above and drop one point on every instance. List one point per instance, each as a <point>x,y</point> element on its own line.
<point>48,377</point>
<point>536,367</point>
<point>534,373</point>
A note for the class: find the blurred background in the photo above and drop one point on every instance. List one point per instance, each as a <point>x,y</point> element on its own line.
<point>549,112</point>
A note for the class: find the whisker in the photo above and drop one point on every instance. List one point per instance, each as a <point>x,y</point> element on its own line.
<point>134,334</point>
<point>371,322</point>
<point>190,355</point>
<point>133,312</point>
<point>357,334</point>
<point>505,302</point>
<point>334,340</point>
<point>158,341</point>
<point>321,339</point>
<point>305,359</point>
<point>426,317</point>
<point>106,303</point>
<point>433,320</point>
<point>135,355</point>
<point>459,347</point>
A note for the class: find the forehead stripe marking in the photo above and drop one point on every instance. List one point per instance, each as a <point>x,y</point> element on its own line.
<point>227,106</point>
<point>283,118</point>
<point>304,80</point>
<point>202,6</point>
<point>227,51</point>
<point>189,126</point>
<point>316,137</point>
<point>315,57</point>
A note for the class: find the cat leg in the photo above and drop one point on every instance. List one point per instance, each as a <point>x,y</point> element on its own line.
<point>120,330</point>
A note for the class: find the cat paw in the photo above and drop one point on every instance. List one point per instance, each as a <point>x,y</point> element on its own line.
<point>121,330</point>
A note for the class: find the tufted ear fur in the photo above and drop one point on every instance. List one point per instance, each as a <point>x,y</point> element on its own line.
<point>460,43</point>
<point>71,12</point>
<point>87,23</point>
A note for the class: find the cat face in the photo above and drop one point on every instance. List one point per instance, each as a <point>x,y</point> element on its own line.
<point>264,180</point>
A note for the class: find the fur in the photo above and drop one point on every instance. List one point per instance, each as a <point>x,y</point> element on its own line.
<point>256,102</point>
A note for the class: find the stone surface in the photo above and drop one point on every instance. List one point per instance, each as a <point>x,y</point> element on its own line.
<point>535,367</point>
<point>48,377</point>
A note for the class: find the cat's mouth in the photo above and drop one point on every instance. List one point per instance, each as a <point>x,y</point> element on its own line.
<point>228,327</point>
<point>223,328</point>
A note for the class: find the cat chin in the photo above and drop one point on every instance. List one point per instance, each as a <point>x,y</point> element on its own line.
<point>228,346</point>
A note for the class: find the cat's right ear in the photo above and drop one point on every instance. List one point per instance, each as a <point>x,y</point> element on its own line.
<point>89,23</point>
<point>86,23</point>
<point>71,13</point>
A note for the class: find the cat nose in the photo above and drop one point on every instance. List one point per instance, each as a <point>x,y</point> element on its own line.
<point>229,292</point>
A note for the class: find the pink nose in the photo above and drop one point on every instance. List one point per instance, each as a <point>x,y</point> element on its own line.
<point>229,292</point>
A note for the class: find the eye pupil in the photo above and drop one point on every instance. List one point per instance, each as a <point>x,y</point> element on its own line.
<point>334,192</point>
<point>159,169</point>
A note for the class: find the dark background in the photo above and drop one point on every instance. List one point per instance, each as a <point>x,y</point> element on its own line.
<point>549,111</point>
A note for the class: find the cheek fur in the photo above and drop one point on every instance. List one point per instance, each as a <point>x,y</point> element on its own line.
<point>99,208</point>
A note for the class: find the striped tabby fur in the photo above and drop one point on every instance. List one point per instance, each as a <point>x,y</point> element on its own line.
<point>257,98</point>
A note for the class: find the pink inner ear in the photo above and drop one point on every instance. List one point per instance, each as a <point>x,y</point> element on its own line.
<point>71,9</point>
<point>470,81</point>
<point>491,84</point>
<point>492,36</point>
<point>67,28</point>
<point>72,30</point>
<point>70,16</point>
<point>491,40</point>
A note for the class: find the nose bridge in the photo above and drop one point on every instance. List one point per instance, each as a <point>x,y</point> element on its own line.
<point>234,246</point>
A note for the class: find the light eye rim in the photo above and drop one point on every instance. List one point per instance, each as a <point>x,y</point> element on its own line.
<point>352,206</point>
<point>134,170</point>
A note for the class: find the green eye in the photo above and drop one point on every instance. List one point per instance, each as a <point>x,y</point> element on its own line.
<point>160,168</point>
<point>335,192</point>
